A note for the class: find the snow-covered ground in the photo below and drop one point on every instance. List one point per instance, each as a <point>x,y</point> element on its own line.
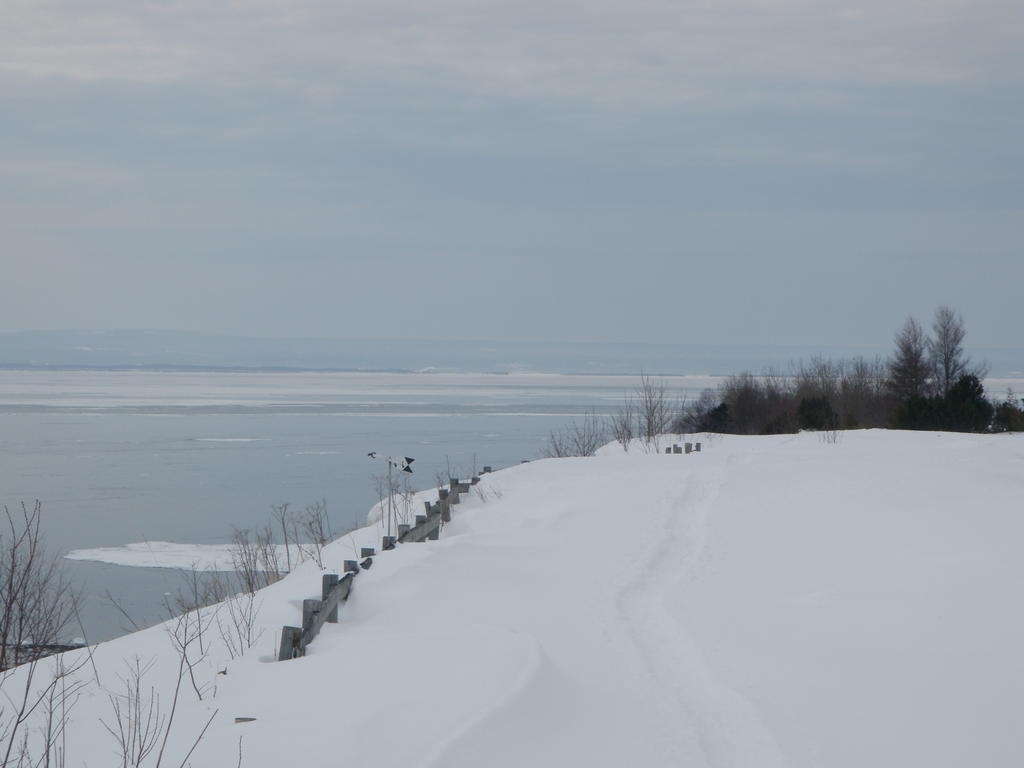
<point>770,601</point>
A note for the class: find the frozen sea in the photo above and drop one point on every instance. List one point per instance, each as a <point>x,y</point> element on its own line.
<point>128,457</point>
<point>131,457</point>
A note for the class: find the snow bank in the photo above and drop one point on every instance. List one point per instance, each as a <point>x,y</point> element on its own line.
<point>770,601</point>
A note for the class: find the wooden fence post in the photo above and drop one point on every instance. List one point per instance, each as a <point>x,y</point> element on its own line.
<point>330,581</point>
<point>291,643</point>
<point>310,606</point>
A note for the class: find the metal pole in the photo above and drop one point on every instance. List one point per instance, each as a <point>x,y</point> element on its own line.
<point>391,495</point>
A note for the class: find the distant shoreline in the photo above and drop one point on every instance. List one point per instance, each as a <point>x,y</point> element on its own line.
<point>289,369</point>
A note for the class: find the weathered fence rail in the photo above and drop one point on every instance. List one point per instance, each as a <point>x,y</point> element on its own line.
<point>316,613</point>
<point>685,447</point>
<point>426,527</point>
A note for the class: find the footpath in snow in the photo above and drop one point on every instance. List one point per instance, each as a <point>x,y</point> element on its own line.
<point>769,601</point>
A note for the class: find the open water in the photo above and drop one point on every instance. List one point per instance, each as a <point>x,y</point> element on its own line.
<point>119,457</point>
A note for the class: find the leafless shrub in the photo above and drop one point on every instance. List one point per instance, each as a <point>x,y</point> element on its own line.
<point>486,492</point>
<point>579,438</point>
<point>61,697</point>
<point>284,522</point>
<point>36,599</point>
<point>314,527</point>
<point>864,397</point>
<point>398,500</point>
<point>267,557</point>
<point>245,561</point>
<point>759,405</point>
<point>43,685</point>
<point>137,722</point>
<point>405,506</point>
<point>254,560</point>
<point>623,424</point>
<point>818,394</point>
<point>189,637</point>
<point>694,417</point>
<point>649,411</point>
<point>199,589</point>
<point>829,436</point>
<point>655,409</point>
<point>818,377</point>
<point>236,622</point>
<point>36,604</point>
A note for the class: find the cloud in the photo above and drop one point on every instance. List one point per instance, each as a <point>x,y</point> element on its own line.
<point>610,55</point>
<point>304,147</point>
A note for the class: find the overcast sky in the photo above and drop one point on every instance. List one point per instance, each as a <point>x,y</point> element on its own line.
<point>737,171</point>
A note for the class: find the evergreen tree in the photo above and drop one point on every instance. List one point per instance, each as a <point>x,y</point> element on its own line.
<point>966,409</point>
<point>816,413</point>
<point>1009,415</point>
<point>909,367</point>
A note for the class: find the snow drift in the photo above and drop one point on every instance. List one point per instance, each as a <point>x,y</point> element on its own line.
<point>770,601</point>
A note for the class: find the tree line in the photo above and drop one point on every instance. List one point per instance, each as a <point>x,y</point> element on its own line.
<point>927,383</point>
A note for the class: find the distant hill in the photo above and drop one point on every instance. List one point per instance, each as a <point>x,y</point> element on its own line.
<point>183,349</point>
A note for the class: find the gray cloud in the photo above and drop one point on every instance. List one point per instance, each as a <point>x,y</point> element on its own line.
<point>578,169</point>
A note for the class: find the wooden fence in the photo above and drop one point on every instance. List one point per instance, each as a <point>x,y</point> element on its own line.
<point>425,527</point>
<point>336,589</point>
<point>688,447</point>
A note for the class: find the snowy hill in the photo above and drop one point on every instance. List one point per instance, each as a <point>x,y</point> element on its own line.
<point>770,601</point>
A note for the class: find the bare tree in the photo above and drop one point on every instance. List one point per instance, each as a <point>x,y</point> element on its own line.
<point>694,416</point>
<point>254,560</point>
<point>245,560</point>
<point>283,519</point>
<point>655,410</point>
<point>623,424</point>
<point>36,599</point>
<point>316,527</point>
<point>864,399</point>
<point>267,556</point>
<point>37,602</point>
<point>946,350</point>
<point>819,377</point>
